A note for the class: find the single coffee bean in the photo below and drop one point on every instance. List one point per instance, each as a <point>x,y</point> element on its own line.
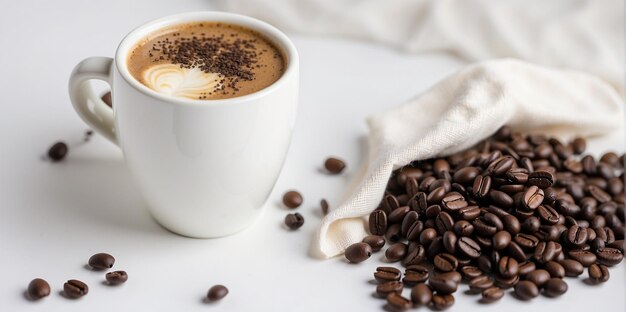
<point>555,287</point>
<point>481,186</point>
<point>398,303</point>
<point>511,224</point>
<point>324,206</point>
<point>533,197</point>
<point>58,151</point>
<point>334,165</point>
<point>106,98</point>
<point>501,240</point>
<point>526,290</point>
<point>390,203</point>
<point>442,302</point>
<point>618,244</point>
<point>411,187</point>
<point>394,233</point>
<point>526,240</point>
<point>396,252</point>
<point>463,228</point>
<point>444,283</point>
<point>75,289</point>
<point>609,256</point>
<point>576,235</point>
<point>421,294</point>
<point>292,199</point>
<point>415,274</point>
<point>600,195</point>
<point>469,272</point>
<point>584,257</point>
<point>116,277</point>
<point>555,269</point>
<point>468,247</point>
<point>378,222</point>
<point>101,261</point>
<point>466,175</point>
<point>216,293</point>
<point>398,214</point>
<point>449,241</point>
<point>469,213</point>
<point>598,273</point>
<point>445,262</point>
<point>427,236</point>
<point>515,251</point>
<point>415,256</point>
<point>541,178</point>
<point>387,274</point>
<point>480,283</point>
<point>526,267</point>
<point>572,267</point>
<point>501,199</point>
<point>538,277</point>
<point>375,241</point>
<point>409,220</point>
<point>531,225</point>
<point>444,222</point>
<point>508,267</point>
<point>294,221</point>
<point>358,252</point>
<point>492,294</point>
<point>384,289</point>
<point>505,283</point>
<point>548,214</point>
<point>453,201</point>
<point>37,289</point>
<point>501,165</point>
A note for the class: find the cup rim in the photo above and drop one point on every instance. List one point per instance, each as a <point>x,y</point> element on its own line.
<point>272,33</point>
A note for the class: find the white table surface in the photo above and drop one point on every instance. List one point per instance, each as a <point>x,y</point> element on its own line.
<point>53,217</point>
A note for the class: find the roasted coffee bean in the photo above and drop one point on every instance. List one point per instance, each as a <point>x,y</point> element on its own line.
<point>579,145</point>
<point>427,236</point>
<point>390,203</point>
<point>106,98</point>
<point>101,261</point>
<point>531,225</point>
<point>58,151</point>
<point>387,274</point>
<point>555,269</point>
<point>541,178</point>
<point>393,233</point>
<point>414,256</point>
<point>526,290</point>
<point>469,272</point>
<point>37,289</point>
<point>544,252</point>
<point>384,289</point>
<point>398,303</point>
<point>468,247</point>
<point>548,233</point>
<point>463,228</point>
<point>600,195</point>
<point>415,274</point>
<point>609,256</point>
<point>408,221</point>
<point>501,240</point>
<point>484,263</point>
<point>421,294</point>
<point>508,267</point>
<point>572,267</point>
<point>466,175</point>
<point>483,228</point>
<point>449,241</point>
<point>396,252</point>
<point>216,293</point>
<point>526,267</point>
<point>292,199</point>
<point>453,201</point>
<point>538,277</point>
<point>75,289</point>
<point>533,197</point>
<point>555,287</point>
<point>598,273</point>
<point>442,302</point>
<point>576,235</point>
<point>334,165</point>
<point>116,277</point>
<point>358,252</point>
<point>445,283</point>
<point>378,222</point>
<point>501,199</point>
<point>584,257</point>
<point>481,186</point>
<point>444,222</point>
<point>445,262</point>
<point>506,283</point>
<point>324,206</point>
<point>605,234</point>
<point>618,244</point>
<point>435,248</point>
<point>294,221</point>
<point>492,294</point>
<point>436,195</point>
<point>480,283</point>
<point>548,214</point>
<point>440,183</point>
<point>511,224</point>
<point>469,213</point>
<point>398,214</point>
<point>501,165</point>
<point>375,241</point>
<point>526,240</point>
<point>605,171</point>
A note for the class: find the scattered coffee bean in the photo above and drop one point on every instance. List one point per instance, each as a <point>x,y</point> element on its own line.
<point>572,267</point>
<point>334,165</point>
<point>396,252</point>
<point>387,274</point>
<point>538,277</point>
<point>58,151</point>
<point>294,221</point>
<point>75,289</point>
<point>386,288</point>
<point>398,303</point>
<point>375,241</point>
<point>609,256</point>
<point>444,283</point>
<point>442,301</point>
<point>37,289</point>
<point>555,287</point>
<point>526,290</point>
<point>415,274</point>
<point>492,294</point>
<point>445,262</point>
<point>358,252</point>
<point>324,206</point>
<point>555,269</point>
<point>292,199</point>
<point>101,261</point>
<point>216,293</point>
<point>116,277</point>
<point>598,273</point>
<point>421,294</point>
<point>480,283</point>
<point>378,222</point>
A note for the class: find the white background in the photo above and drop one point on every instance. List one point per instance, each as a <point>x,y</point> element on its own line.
<point>54,216</point>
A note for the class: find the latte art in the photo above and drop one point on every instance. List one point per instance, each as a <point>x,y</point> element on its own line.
<point>173,80</point>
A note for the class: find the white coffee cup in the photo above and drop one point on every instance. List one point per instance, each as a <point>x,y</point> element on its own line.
<point>205,167</point>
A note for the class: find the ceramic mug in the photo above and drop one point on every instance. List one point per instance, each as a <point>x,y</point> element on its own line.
<point>204,167</point>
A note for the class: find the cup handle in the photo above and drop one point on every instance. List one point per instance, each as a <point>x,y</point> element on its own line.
<point>99,115</point>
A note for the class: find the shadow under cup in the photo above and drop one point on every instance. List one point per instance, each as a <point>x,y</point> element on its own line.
<point>205,167</point>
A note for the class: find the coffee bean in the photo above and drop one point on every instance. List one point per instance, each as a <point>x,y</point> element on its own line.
<point>609,256</point>
<point>517,175</point>
<point>480,283</point>
<point>444,222</point>
<point>468,247</point>
<point>442,302</point>
<point>469,272</point>
<point>572,267</point>
<point>106,98</point>
<point>75,289</point>
<point>548,214</point>
<point>508,267</point>
<point>396,252</point>
<point>598,273</point>
<point>444,283</point>
<point>538,277</point>
<point>415,256</point>
<point>398,214</point>
<point>449,241</point>
<point>421,294</point>
<point>216,293</point>
<point>597,193</point>
<point>378,222</point>
<point>501,165</point>
<point>544,252</point>
<point>453,201</point>
<point>555,287</point>
<point>555,269</point>
<point>387,274</point>
<point>466,175</point>
<point>37,289</point>
<point>481,186</point>
<point>324,206</point>
<point>610,158</point>
<point>526,290</point>
<point>58,151</point>
<point>292,199</point>
<point>526,240</point>
<point>398,303</point>
<point>584,257</point>
<point>541,178</point>
<point>384,289</point>
<point>506,282</point>
<point>501,199</point>
<point>469,213</point>
<point>415,274</point>
<point>526,267</point>
<point>501,240</point>
<point>358,252</point>
<point>294,221</point>
<point>533,197</point>
<point>463,228</point>
<point>427,236</point>
<point>409,220</point>
<point>116,277</point>
<point>411,186</point>
<point>334,165</point>
<point>101,261</point>
<point>390,203</point>
<point>375,241</point>
<point>576,235</point>
<point>445,262</point>
<point>492,294</point>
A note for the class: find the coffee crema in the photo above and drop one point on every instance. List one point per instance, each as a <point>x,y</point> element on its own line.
<point>206,61</point>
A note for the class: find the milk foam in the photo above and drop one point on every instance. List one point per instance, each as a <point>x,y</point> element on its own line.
<point>171,79</point>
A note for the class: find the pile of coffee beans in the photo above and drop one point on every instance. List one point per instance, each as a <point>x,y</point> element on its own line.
<point>515,211</point>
